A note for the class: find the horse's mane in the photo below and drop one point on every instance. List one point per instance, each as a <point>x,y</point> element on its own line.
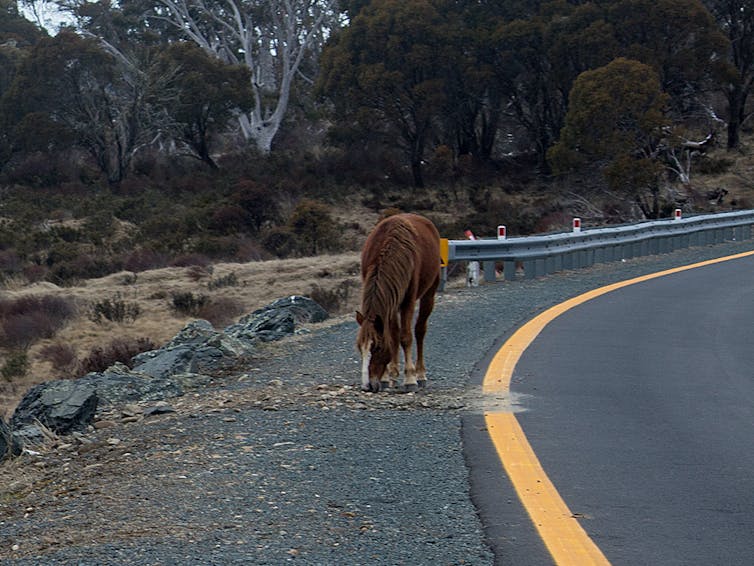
<point>389,275</point>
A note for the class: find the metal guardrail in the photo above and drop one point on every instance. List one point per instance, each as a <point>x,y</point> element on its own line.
<point>542,255</point>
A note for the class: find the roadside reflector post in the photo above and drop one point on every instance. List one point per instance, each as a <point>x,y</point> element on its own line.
<point>472,269</point>
<point>576,225</point>
<point>501,232</point>
<point>677,214</point>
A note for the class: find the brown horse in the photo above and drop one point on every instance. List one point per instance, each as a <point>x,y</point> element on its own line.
<point>400,265</point>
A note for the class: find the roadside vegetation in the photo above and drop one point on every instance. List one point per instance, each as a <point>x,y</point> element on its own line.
<point>145,179</point>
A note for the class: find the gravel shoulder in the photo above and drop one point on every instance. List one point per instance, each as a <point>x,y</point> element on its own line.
<point>289,462</point>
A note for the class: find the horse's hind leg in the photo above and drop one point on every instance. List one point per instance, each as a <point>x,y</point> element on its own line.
<point>409,370</point>
<point>426,305</point>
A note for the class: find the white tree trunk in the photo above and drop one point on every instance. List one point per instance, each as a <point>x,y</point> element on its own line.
<point>270,37</point>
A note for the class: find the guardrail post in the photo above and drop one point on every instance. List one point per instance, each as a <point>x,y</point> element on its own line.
<point>509,270</point>
<point>488,267</point>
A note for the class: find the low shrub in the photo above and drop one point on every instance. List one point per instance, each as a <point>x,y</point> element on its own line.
<point>229,280</point>
<point>84,266</point>
<point>15,366</point>
<point>119,350</point>
<point>114,309</point>
<point>221,311</point>
<point>314,228</point>
<point>188,304</point>
<point>25,320</point>
<point>334,301</point>
<point>143,260</point>
<point>61,356</point>
<point>281,242</point>
<point>191,260</point>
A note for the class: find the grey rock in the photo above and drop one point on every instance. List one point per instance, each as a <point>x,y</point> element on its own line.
<point>118,385</point>
<point>9,445</point>
<point>29,435</point>
<point>278,319</point>
<point>197,348</point>
<point>62,406</point>
<point>164,362</point>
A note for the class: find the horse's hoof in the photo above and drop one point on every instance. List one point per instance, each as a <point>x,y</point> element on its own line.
<point>384,386</point>
<point>411,388</point>
<point>422,383</point>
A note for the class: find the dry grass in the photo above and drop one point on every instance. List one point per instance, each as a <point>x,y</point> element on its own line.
<point>258,284</point>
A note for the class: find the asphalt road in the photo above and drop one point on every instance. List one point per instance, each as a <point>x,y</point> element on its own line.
<point>640,407</point>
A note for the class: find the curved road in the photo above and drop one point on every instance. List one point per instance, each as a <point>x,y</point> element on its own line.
<point>640,407</point>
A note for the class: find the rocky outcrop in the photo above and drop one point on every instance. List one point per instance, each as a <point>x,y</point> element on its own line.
<point>196,353</point>
<point>277,320</point>
<point>62,406</point>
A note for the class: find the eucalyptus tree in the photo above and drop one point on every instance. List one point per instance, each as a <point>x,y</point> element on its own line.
<point>17,37</point>
<point>736,20</point>
<point>272,38</point>
<point>208,94</point>
<point>679,39</point>
<point>72,84</point>
<point>616,118</point>
<point>387,73</point>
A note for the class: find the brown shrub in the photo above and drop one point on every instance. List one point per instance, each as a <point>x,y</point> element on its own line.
<point>114,310</point>
<point>25,320</point>
<point>16,364</point>
<point>144,259</point>
<point>188,304</point>
<point>191,260</point>
<point>61,356</point>
<point>334,301</point>
<point>119,350</point>
<point>221,311</point>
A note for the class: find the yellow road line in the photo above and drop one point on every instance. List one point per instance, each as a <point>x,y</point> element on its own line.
<point>561,532</point>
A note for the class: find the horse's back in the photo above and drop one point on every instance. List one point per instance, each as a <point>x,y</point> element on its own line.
<point>425,240</point>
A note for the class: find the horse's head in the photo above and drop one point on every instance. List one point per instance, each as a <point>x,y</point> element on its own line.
<point>374,345</point>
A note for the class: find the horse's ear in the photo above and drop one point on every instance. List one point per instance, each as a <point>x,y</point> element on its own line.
<point>359,318</point>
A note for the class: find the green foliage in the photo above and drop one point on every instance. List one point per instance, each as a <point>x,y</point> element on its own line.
<point>15,366</point>
<point>188,304</point>
<point>314,227</point>
<point>281,241</point>
<point>209,94</point>
<point>114,309</point>
<point>259,203</point>
<point>229,280</point>
<point>617,116</point>
<point>385,70</point>
<point>615,110</point>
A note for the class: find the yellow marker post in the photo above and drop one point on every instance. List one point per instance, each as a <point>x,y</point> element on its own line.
<point>444,252</point>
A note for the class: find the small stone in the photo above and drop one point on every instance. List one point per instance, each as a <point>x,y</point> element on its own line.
<point>159,409</point>
<point>131,410</point>
<point>113,441</point>
<point>98,425</point>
